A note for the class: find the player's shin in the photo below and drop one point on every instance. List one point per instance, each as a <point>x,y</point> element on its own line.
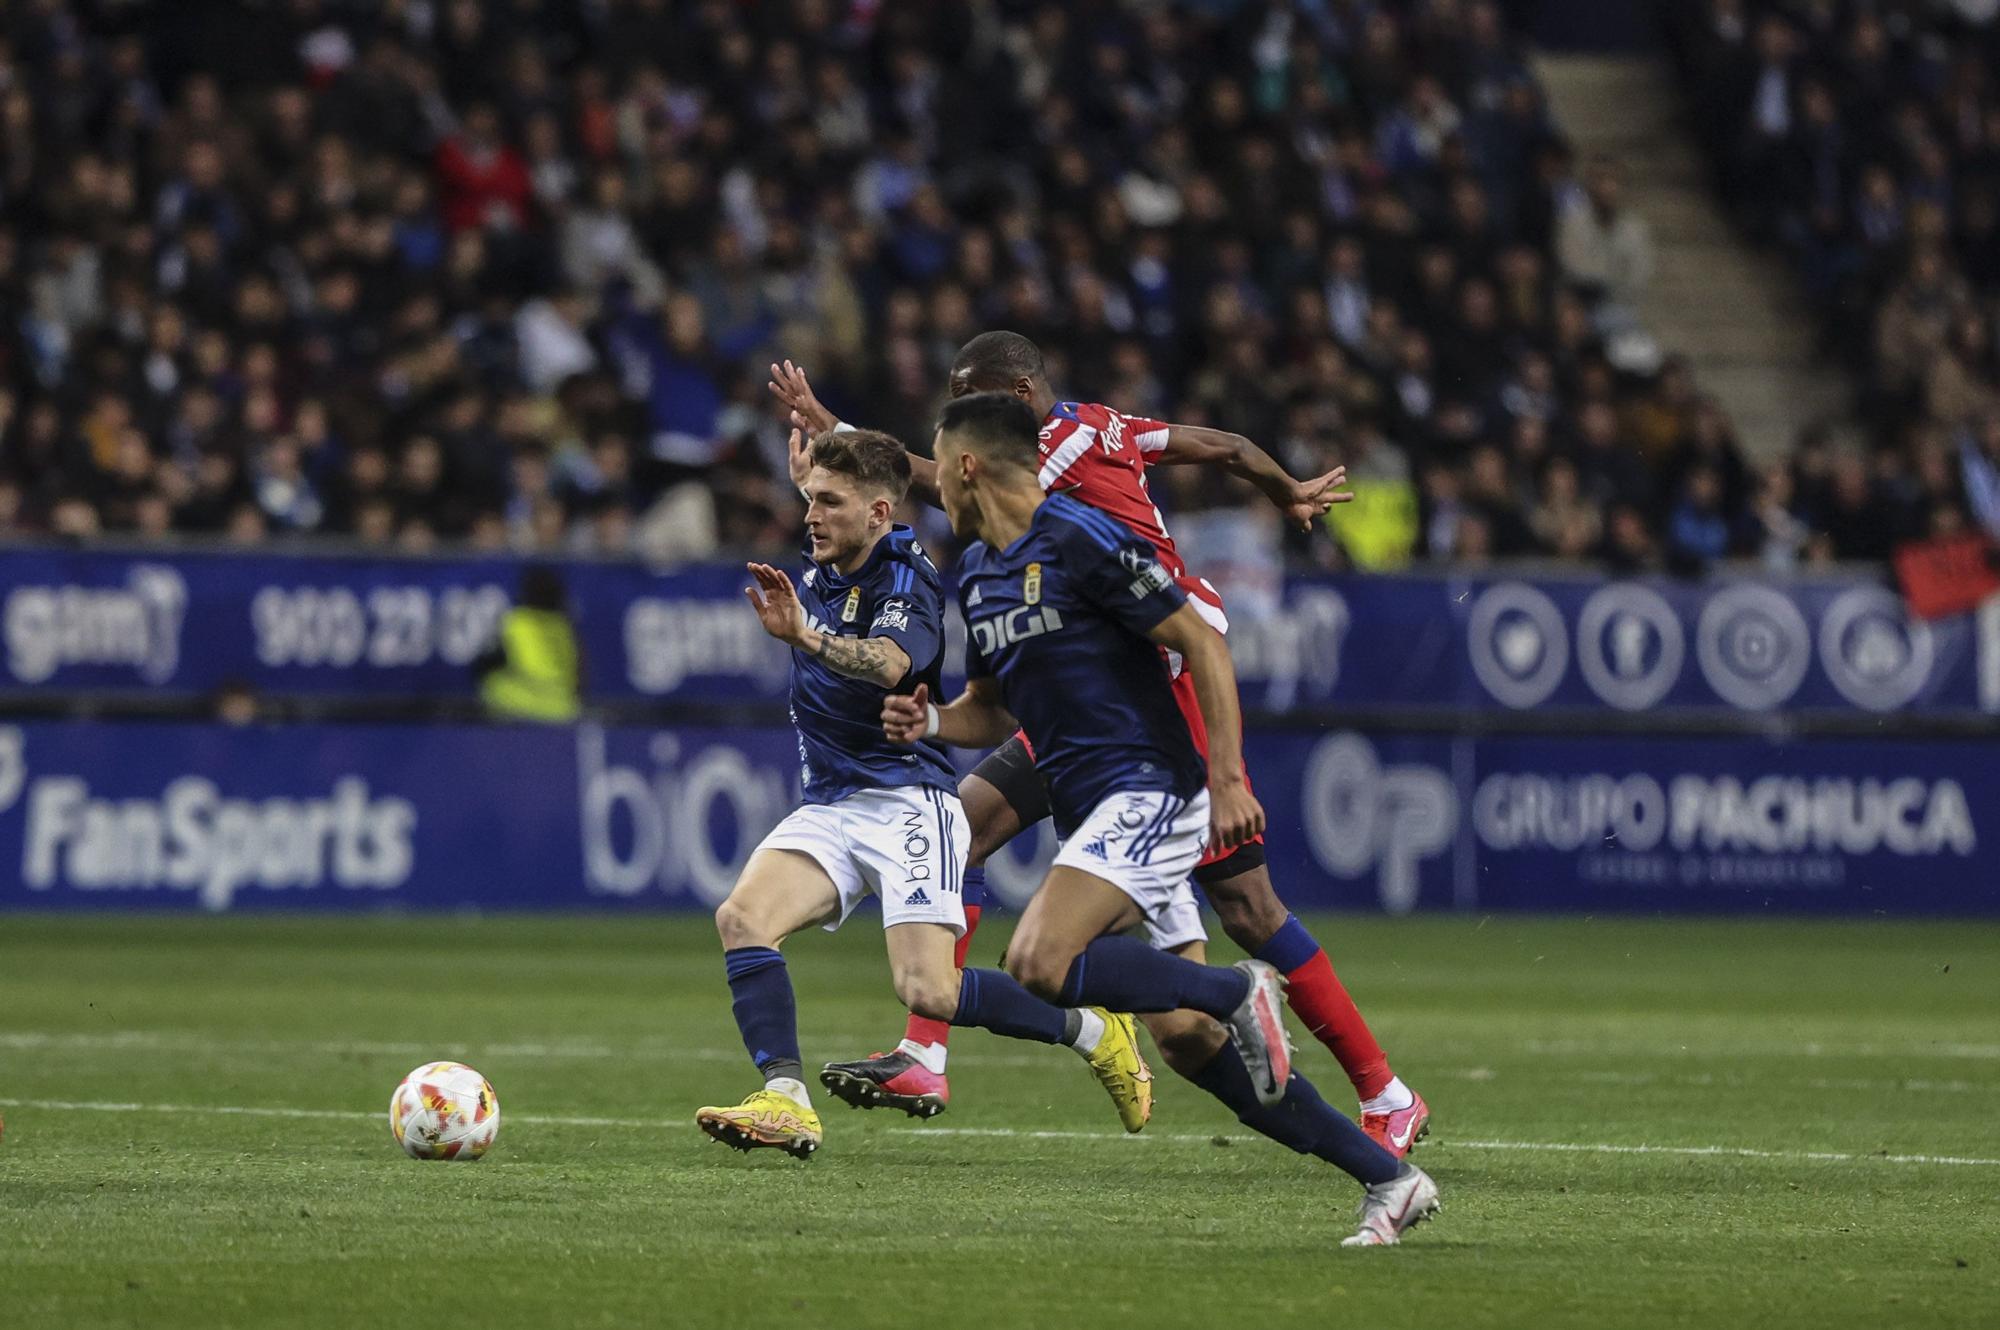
<point>994,1000</point>
<point>767,1016</point>
<point>926,1039</point>
<point>1302,1120</point>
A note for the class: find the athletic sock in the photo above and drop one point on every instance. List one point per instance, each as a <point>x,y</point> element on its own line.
<point>1393,1098</point>
<point>1315,992</point>
<point>1302,1120</point>
<point>791,1086</point>
<point>1126,974</point>
<point>766,1013</point>
<point>921,1030</point>
<point>931,1055</point>
<point>994,1000</point>
<point>1083,1029</point>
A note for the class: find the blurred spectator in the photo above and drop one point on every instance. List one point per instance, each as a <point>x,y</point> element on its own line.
<point>1865,140</point>
<point>1605,248</point>
<point>430,274</point>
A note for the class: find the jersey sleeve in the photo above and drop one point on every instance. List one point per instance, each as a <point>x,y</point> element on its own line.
<point>1119,573</point>
<point>911,614</point>
<point>1148,436</point>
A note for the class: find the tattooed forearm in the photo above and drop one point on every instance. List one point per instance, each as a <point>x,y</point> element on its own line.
<point>875,659</point>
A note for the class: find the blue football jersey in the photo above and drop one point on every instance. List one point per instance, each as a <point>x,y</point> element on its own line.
<point>896,594</point>
<point>1060,618</point>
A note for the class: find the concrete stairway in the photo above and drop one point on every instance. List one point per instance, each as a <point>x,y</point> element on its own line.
<point>1735,312</point>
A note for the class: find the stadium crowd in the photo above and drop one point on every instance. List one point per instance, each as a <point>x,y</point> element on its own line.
<point>509,273</point>
<point>1864,139</point>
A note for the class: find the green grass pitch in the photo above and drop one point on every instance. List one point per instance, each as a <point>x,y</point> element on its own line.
<point>195,1135</point>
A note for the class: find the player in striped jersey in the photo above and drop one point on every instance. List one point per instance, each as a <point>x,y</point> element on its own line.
<point>1100,456</point>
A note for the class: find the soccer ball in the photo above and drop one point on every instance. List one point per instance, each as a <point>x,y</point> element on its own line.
<point>444,1110</point>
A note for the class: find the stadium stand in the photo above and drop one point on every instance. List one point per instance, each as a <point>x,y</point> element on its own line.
<point>508,274</point>
<point>1864,140</point>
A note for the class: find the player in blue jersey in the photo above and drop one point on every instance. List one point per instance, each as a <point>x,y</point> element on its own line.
<point>1066,611</point>
<point>878,817</point>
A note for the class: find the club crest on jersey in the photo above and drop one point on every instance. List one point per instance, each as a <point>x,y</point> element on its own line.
<point>853,606</point>
<point>1031,585</point>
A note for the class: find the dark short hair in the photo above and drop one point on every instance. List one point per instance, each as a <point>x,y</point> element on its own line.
<point>874,460</point>
<point>999,358</point>
<point>996,425</point>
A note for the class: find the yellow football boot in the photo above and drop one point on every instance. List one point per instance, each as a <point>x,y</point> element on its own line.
<point>765,1119</point>
<point>1121,1069</point>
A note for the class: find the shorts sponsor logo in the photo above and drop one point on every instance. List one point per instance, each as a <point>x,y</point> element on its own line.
<point>1629,645</point>
<point>1753,645</point>
<point>1518,644</point>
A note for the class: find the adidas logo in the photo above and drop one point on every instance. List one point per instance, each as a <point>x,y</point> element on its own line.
<point>917,897</point>
<point>972,598</point>
<point>1096,849</point>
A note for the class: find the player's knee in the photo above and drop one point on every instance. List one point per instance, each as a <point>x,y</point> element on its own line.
<point>931,996</point>
<point>1040,969</point>
<point>983,847</point>
<point>1248,909</point>
<point>738,928</point>
<point>1187,1041</point>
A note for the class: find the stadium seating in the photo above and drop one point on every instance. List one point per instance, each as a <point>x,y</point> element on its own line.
<point>1865,141</point>
<point>508,275</point>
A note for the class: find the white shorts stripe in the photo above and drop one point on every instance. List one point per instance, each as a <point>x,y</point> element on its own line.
<point>1145,843</point>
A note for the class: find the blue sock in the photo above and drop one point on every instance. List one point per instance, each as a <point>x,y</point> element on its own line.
<point>974,887</point>
<point>766,1012</point>
<point>994,1000</point>
<point>1301,1120</point>
<point>1290,947</point>
<point>1126,974</point>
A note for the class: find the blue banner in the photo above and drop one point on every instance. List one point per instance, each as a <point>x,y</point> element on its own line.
<point>77,620</point>
<point>194,817</point>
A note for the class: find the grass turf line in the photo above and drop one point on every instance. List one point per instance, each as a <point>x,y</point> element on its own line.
<point>1862,1040</point>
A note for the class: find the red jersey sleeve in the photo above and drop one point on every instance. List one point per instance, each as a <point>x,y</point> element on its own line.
<point>1149,436</point>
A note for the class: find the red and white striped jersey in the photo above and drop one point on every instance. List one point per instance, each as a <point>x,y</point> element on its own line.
<point>1099,456</point>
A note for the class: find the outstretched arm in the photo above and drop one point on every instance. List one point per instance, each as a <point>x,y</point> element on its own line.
<point>977,719</point>
<point>810,418</point>
<point>1234,813</point>
<point>1303,502</point>
<point>875,659</point>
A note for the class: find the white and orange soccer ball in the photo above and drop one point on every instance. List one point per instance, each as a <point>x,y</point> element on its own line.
<point>444,1110</point>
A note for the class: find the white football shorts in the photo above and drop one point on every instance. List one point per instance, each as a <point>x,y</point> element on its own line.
<point>1180,922</point>
<point>1145,843</point>
<point>906,846</point>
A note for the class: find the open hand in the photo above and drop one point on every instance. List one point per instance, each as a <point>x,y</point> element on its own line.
<point>789,385</point>
<point>776,603</point>
<point>1311,499</point>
